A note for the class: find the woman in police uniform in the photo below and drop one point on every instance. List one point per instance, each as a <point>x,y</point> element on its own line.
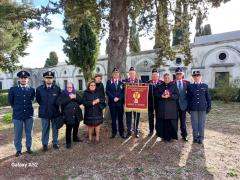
<point>199,104</point>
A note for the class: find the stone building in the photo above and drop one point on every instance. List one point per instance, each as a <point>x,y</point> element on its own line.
<point>217,56</point>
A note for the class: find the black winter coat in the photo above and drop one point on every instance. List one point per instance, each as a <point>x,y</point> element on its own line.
<point>93,114</point>
<point>70,108</point>
<point>167,108</point>
<point>100,88</point>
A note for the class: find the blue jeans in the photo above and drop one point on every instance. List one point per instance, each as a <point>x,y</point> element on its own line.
<point>45,132</point>
<point>18,131</point>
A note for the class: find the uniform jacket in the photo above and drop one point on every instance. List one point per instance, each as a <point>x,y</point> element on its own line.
<point>113,91</point>
<point>198,97</point>
<point>46,99</point>
<point>100,88</point>
<point>183,101</point>
<point>21,102</point>
<point>152,88</point>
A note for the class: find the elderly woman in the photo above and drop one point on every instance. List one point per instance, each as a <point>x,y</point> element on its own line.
<point>70,103</point>
<point>94,103</point>
<point>166,96</point>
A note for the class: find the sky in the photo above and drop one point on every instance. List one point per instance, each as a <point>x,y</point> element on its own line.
<point>222,19</point>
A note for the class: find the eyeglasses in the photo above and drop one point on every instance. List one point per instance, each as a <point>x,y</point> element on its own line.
<point>49,77</point>
<point>93,85</point>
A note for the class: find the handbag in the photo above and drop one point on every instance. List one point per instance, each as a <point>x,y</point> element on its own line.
<point>59,121</point>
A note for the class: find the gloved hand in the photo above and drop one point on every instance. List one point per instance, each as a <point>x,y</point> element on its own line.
<point>208,110</point>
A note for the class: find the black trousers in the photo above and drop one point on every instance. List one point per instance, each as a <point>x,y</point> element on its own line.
<point>151,111</point>
<point>167,129</point>
<point>117,115</point>
<point>69,129</point>
<point>183,126</point>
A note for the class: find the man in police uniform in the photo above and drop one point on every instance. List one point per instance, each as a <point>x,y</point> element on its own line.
<point>152,105</point>
<point>20,98</point>
<point>132,80</point>
<point>46,97</point>
<point>182,85</point>
<point>115,93</point>
<point>199,104</point>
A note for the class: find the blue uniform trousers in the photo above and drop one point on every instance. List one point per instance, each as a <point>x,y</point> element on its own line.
<point>46,129</point>
<point>18,131</point>
<point>198,119</point>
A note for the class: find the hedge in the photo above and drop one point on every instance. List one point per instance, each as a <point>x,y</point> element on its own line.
<point>4,99</point>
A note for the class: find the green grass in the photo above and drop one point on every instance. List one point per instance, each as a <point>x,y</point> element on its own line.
<point>7,118</point>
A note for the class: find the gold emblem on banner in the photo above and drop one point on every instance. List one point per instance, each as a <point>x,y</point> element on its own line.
<point>136,96</point>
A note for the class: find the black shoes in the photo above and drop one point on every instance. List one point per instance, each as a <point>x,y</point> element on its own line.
<point>29,151</point>
<point>68,146</point>
<point>128,134</point>
<point>198,141</point>
<point>185,139</point>
<point>77,140</point>
<point>122,136</point>
<point>45,148</point>
<point>113,136</point>
<point>18,153</point>
<point>55,146</point>
<point>150,134</point>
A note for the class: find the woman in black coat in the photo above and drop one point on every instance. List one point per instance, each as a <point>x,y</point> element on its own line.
<point>70,103</point>
<point>167,95</point>
<point>94,103</point>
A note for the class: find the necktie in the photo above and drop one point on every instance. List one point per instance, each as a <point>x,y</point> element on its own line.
<point>23,88</point>
<point>179,85</point>
<point>115,84</point>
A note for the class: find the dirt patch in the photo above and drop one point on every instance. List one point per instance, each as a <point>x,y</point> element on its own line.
<point>143,158</point>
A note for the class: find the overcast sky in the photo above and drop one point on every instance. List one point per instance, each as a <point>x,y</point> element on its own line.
<point>222,19</point>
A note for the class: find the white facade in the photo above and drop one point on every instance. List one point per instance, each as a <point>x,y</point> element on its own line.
<point>214,55</point>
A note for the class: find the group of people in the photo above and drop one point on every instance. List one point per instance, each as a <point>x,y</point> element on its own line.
<point>168,101</point>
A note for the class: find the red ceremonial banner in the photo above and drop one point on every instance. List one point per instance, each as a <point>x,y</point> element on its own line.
<point>136,98</point>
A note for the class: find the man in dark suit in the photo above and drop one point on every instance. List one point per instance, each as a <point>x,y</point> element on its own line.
<point>132,80</point>
<point>182,86</point>
<point>115,93</point>
<point>199,104</point>
<point>46,96</point>
<point>20,98</point>
<point>152,105</point>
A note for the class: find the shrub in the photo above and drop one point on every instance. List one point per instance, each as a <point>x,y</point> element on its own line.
<point>4,91</point>
<point>7,118</point>
<point>80,93</point>
<point>4,99</point>
<point>228,93</point>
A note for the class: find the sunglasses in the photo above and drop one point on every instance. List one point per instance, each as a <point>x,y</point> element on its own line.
<point>49,77</point>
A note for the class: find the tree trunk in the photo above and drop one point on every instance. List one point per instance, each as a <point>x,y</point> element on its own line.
<point>118,38</point>
<point>87,74</point>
